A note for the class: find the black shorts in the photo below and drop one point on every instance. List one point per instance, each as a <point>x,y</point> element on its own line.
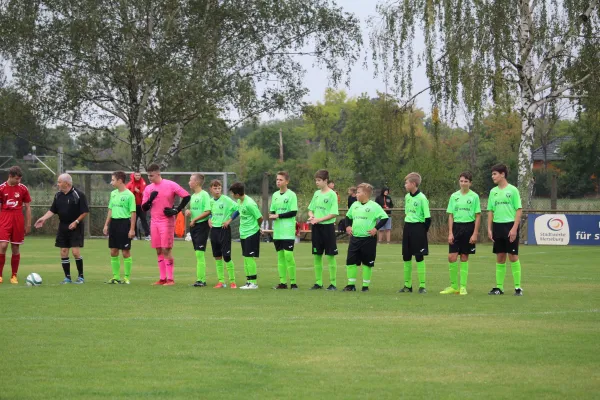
<point>66,239</point>
<point>414,239</point>
<point>462,232</point>
<point>323,239</point>
<point>284,244</point>
<point>502,244</point>
<point>251,245</point>
<point>362,251</point>
<point>220,241</point>
<point>118,234</point>
<point>199,233</point>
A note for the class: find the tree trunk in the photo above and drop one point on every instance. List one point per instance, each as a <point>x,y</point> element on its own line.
<point>137,152</point>
<point>525,177</point>
<point>174,148</point>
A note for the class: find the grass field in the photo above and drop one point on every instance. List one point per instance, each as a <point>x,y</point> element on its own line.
<point>98,341</point>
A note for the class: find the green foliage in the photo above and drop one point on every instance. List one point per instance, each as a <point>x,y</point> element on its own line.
<point>158,66</point>
<point>582,165</point>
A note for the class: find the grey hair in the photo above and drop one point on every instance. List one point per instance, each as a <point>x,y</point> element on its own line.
<point>66,178</point>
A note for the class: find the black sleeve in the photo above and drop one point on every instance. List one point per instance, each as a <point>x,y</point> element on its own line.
<point>54,207</point>
<point>184,202</point>
<point>381,223</point>
<point>427,224</point>
<point>289,214</point>
<point>348,221</point>
<point>83,205</point>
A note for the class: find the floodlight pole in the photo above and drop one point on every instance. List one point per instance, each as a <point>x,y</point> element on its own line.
<point>59,161</point>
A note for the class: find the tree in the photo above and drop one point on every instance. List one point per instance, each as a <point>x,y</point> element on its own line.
<point>156,66</point>
<point>479,51</point>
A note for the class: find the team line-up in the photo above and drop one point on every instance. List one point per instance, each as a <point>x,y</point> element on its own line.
<point>211,215</point>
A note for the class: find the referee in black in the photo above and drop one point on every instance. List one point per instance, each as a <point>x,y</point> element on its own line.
<point>71,206</point>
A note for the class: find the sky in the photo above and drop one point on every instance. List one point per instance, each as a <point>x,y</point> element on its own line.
<point>362,81</point>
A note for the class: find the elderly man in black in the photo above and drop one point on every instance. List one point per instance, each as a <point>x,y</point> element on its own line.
<point>71,206</point>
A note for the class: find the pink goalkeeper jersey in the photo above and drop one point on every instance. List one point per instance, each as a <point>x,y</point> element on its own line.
<point>167,190</point>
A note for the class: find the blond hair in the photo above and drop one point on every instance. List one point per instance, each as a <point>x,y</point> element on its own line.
<point>413,177</point>
<point>199,178</point>
<point>366,187</point>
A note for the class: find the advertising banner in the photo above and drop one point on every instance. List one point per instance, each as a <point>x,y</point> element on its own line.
<point>563,229</point>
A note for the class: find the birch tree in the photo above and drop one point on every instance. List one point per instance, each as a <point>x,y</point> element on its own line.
<point>528,52</point>
<point>158,65</point>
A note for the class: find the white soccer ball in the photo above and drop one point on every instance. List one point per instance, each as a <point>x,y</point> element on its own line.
<point>34,279</point>
<point>188,237</point>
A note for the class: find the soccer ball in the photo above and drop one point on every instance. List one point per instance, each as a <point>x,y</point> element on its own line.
<point>188,237</point>
<point>34,279</point>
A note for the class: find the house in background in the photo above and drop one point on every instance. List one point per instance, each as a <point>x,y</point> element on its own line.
<point>550,155</point>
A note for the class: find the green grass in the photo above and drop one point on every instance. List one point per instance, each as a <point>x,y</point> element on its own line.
<point>101,341</point>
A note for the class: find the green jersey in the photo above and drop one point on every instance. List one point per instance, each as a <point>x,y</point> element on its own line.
<point>464,207</point>
<point>323,204</point>
<point>281,203</point>
<point>122,204</point>
<point>416,207</point>
<point>364,217</point>
<point>504,203</point>
<point>249,215</point>
<point>199,203</point>
<point>221,210</point>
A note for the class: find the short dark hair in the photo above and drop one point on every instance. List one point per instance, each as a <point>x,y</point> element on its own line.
<point>237,188</point>
<point>501,169</point>
<point>467,175</point>
<point>15,171</point>
<point>284,174</point>
<point>120,175</point>
<point>216,183</point>
<point>383,189</point>
<point>322,174</point>
<point>153,168</point>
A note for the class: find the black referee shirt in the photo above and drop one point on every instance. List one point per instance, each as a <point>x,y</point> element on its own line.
<point>69,206</point>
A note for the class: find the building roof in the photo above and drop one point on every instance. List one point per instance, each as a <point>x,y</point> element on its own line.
<point>552,150</point>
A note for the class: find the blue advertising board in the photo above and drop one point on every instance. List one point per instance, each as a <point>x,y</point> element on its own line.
<point>563,229</point>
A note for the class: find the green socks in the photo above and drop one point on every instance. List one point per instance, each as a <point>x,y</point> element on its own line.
<point>500,274</point>
<point>421,271</point>
<point>453,267</point>
<point>367,273</point>
<point>231,271</point>
<point>291,265</point>
<point>318,269</point>
<point>351,270</point>
<point>332,270</point>
<point>516,270</point>
<point>115,264</point>
<point>251,269</point>
<point>200,266</point>
<point>246,267</point>
<point>220,271</point>
<point>464,273</point>
<point>127,263</point>
<point>408,274</point>
<point>281,267</point>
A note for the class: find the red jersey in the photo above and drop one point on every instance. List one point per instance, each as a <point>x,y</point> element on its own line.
<point>13,197</point>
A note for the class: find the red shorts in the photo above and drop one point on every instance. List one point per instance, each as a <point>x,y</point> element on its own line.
<point>12,227</point>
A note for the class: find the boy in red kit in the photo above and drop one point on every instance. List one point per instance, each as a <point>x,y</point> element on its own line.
<point>136,185</point>
<point>13,227</point>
